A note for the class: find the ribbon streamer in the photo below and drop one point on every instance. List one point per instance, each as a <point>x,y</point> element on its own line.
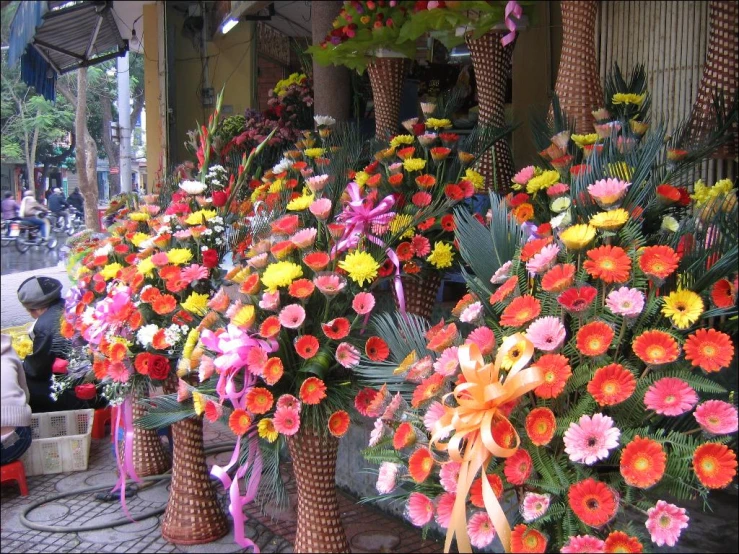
<point>470,424</point>
<point>124,415</point>
<point>512,8</point>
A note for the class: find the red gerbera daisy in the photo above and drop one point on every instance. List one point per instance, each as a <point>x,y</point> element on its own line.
<point>611,384</point>
<point>556,370</point>
<point>517,468</point>
<point>376,349</point>
<point>540,426</point>
<point>577,299</point>
<point>558,278</point>
<point>594,339</point>
<point>427,390</point>
<point>533,247</point>
<point>302,288</point>
<point>504,290</point>
<point>317,261</point>
<point>443,339</point>
<point>164,304</point>
<point>259,400</point>
<point>239,422</point>
<point>337,328</point>
<point>312,391</point>
<point>714,465</point>
<point>658,261</point>
<point>404,251</point>
<point>723,294</point>
<point>272,371</point>
<point>656,347</point>
<point>270,327</point>
<point>404,436</point>
<point>643,462</point>
<point>520,311</point>
<point>306,346</point>
<point>496,483</point>
<point>610,264</point>
<point>420,464</point>
<point>595,503</point>
<point>527,539</point>
<point>447,223</point>
<point>618,541</point>
<point>338,423</point>
<point>709,349</point>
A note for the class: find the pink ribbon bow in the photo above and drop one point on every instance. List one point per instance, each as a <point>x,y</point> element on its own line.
<point>512,8</point>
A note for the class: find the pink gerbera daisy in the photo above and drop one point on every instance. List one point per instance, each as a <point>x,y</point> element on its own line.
<point>591,439</point>
<point>330,284</point>
<point>288,402</point>
<point>480,529</point>
<point>448,362</point>
<point>665,523</point>
<point>444,507</point>
<point>670,396</point>
<point>546,333</point>
<point>304,238</point>
<point>583,543</point>
<point>286,421</point>
<point>433,414</point>
<point>347,355</point>
<point>118,372</point>
<point>363,303</point>
<point>194,272</point>
<point>484,338</point>
<point>502,273</point>
<point>386,477</point>
<point>607,192</point>
<point>270,301</point>
<point>471,313</point>
<point>420,509</point>
<point>543,260</point>
<point>625,301</point>
<point>534,506</point>
<point>292,316</point>
<point>421,245</point>
<point>256,358</point>
<point>717,417</point>
<point>448,475</point>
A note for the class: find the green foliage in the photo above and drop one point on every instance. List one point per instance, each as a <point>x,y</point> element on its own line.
<point>163,411</point>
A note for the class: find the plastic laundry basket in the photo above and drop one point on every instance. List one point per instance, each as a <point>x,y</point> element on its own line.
<point>61,442</point>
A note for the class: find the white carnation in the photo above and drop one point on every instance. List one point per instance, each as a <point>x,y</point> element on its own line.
<point>146,334</point>
<point>192,187</point>
<point>324,120</point>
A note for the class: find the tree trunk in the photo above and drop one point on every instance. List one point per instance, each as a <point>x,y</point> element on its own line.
<point>112,151</point>
<point>331,83</point>
<point>86,155</point>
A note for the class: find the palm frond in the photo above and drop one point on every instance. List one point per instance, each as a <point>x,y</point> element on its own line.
<point>163,411</point>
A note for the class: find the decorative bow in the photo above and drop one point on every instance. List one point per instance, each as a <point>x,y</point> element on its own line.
<point>512,8</point>
<point>479,400</point>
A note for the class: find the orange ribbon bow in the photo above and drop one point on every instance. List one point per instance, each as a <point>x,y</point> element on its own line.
<point>472,444</point>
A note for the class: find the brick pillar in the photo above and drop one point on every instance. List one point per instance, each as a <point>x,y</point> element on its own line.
<point>330,83</point>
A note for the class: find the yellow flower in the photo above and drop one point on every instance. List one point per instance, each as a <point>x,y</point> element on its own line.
<point>610,221</point>
<point>275,187</point>
<point>669,224</point>
<point>620,170</point>
<point>266,429</point>
<point>683,307</point>
<point>361,177</point>
<point>314,152</point>
<point>628,98</point>
<point>280,274</point>
<point>414,164</point>
<point>244,317</point>
<point>442,255</point>
<point>110,270</point>
<point>402,139</point>
<point>200,217</point>
<point>475,178</point>
<point>435,123</point>
<point>577,236</point>
<point>139,216</point>
<point>400,222</point>
<point>192,340</point>
<point>146,266</point>
<point>560,204</point>
<point>360,266</point>
<point>301,202</point>
<point>198,402</point>
<point>22,345</point>
<point>138,238</point>
<point>584,140</point>
<point>543,181</point>
<point>196,303</point>
<point>179,256</point>
<point>514,354</point>
<point>703,194</point>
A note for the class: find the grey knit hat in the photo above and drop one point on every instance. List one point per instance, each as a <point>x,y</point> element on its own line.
<point>38,292</point>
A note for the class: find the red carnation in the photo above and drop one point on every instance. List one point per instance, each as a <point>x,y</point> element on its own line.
<point>210,258</point>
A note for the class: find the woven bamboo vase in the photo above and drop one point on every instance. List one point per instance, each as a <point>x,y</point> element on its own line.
<point>149,455</point>
<point>193,514</point>
<point>491,62</point>
<point>386,78</point>
<point>578,83</point>
<point>314,464</point>
<point>420,294</point>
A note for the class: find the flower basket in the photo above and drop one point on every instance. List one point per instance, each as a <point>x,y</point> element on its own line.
<point>314,463</point>
<point>420,294</point>
<point>149,455</point>
<point>193,514</point>
<point>492,64</point>
<point>386,75</point>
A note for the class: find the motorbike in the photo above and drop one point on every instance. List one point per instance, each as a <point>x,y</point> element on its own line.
<point>27,235</point>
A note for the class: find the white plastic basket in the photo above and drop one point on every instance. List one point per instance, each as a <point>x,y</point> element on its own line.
<point>61,442</point>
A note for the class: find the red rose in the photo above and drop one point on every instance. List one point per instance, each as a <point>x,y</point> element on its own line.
<point>159,367</point>
<point>86,391</point>
<point>219,199</point>
<point>210,258</point>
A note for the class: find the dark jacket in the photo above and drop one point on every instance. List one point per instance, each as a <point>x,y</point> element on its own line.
<point>75,200</point>
<point>57,202</point>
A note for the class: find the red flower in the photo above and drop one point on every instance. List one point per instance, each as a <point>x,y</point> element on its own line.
<point>533,247</point>
<point>517,468</point>
<point>337,328</point>
<point>420,464</point>
<point>404,251</point>
<point>447,223</point>
<point>376,349</point>
<point>86,391</point>
<point>364,399</point>
<point>159,367</point>
<point>577,299</point>
<point>723,293</point>
<point>595,503</point>
<point>454,192</point>
<point>219,198</point>
<point>210,258</point>
<point>495,482</point>
<point>306,346</point>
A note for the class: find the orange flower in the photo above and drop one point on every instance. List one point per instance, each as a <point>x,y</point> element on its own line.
<point>504,290</point>
<point>337,328</point>
<point>259,400</point>
<point>250,285</point>
<point>556,371</point>
<point>117,352</point>
<point>420,464</point>
<point>338,423</point>
<point>714,465</point>
<point>404,436</point>
<point>317,261</point>
<point>540,426</point>
<point>643,462</point>
<point>281,249</point>
<point>135,321</point>
<point>618,541</point>
<point>164,304</point>
<point>100,368</point>
<point>302,288</point>
<point>272,371</point>
<point>150,294</point>
<point>610,264</point>
<point>239,422</point>
<point>595,503</point>
<point>306,346</point>
<point>425,181</point>
<point>169,272</point>
<point>611,385</point>
<point>709,349</point>
<point>523,213</point>
<point>395,179</point>
<point>723,293</point>
<point>496,483</point>
<point>527,539</point>
<point>557,279</point>
<point>659,261</point>
<point>520,311</point>
<point>427,390</point>
<point>404,251</point>
<point>407,152</point>
<point>443,338</point>
<point>270,327</point>
<point>159,340</point>
<point>376,349</point>
<point>655,347</point>
<point>594,339</point>
<point>411,268</point>
<point>66,329</point>
<point>533,247</point>
<point>312,391</point>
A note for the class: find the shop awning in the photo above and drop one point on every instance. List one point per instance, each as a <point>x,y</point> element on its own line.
<point>52,38</point>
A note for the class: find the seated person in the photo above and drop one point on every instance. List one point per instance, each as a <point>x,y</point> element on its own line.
<point>42,298</point>
<point>15,413</point>
<point>77,201</point>
<point>33,212</point>
<point>58,206</point>
<point>10,206</point>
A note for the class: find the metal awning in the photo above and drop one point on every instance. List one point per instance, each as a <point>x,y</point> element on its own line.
<point>53,38</point>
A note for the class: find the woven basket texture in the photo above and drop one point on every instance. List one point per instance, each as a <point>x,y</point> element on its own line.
<point>578,82</point>
<point>719,74</point>
<point>420,294</point>
<point>149,455</point>
<point>193,514</point>
<point>386,77</point>
<point>491,62</point>
<point>314,464</point>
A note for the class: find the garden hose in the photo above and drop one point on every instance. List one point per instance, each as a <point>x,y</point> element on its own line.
<point>215,449</point>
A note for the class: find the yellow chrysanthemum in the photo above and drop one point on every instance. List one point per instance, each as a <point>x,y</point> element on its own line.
<point>110,270</point>
<point>402,139</point>
<point>610,221</point>
<point>400,222</point>
<point>200,217</point>
<point>475,178</point>
<point>314,152</point>
<point>244,317</point>
<point>139,216</point>
<point>179,256</point>
<point>585,140</point>
<point>266,429</point>
<point>196,303</point>
<point>441,256</point>
<point>276,186</point>
<point>683,307</point>
<point>360,266</point>
<point>628,98</point>
<point>543,181</point>
<point>301,202</point>
<point>620,170</point>
<point>434,123</point>
<point>280,274</point>
<point>146,267</point>
<point>138,238</point>
<point>703,194</point>
<point>190,342</point>
<point>198,402</point>
<point>577,236</point>
<point>414,164</point>
<point>23,345</point>
<point>361,177</point>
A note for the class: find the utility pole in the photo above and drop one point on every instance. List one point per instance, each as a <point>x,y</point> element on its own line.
<point>124,121</point>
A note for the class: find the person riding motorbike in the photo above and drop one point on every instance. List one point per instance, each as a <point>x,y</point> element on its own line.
<point>58,206</point>
<point>33,212</point>
<point>77,201</point>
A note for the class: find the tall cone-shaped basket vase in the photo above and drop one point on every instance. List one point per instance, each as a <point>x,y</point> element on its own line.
<point>386,78</point>
<point>314,464</point>
<point>420,294</point>
<point>149,455</point>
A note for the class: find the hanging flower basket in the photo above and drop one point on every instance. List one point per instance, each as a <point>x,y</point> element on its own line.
<point>387,73</point>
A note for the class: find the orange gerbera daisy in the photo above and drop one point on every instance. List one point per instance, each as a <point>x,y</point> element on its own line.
<point>504,433</point>
<point>317,261</point>
<point>533,247</point>
<point>709,349</point>
<point>656,347</point>
<point>164,304</point>
<point>272,371</point>
<point>404,436</point>
<point>643,462</point>
<point>520,311</point>
<point>239,422</point>
<point>427,390</point>
<point>610,264</point>
<point>376,349</point>
<point>523,213</point>
<point>594,339</point>
<point>714,465</point>
<point>443,339</point>
<point>496,483</point>
<point>250,285</point>
<point>425,181</point>
<point>302,288</point>
<point>312,391</point>
<point>270,327</point>
<point>527,539</point>
<point>595,503</point>
<point>259,400</point>
<point>723,293</point>
<point>540,426</point>
<point>611,384</point>
<point>618,541</point>
<point>659,261</point>
<point>306,346</point>
<point>420,464</point>
<point>557,279</point>
<point>404,251</point>
<point>338,423</point>
<point>504,290</point>
<point>556,371</point>
<point>117,352</point>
